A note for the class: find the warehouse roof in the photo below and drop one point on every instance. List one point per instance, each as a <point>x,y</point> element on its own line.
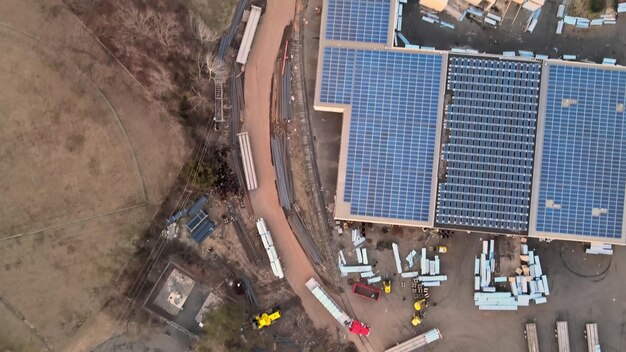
<point>490,124</point>
<point>580,186</point>
<point>478,142</point>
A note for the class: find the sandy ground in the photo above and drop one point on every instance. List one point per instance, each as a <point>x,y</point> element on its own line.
<point>76,167</point>
<point>265,199</point>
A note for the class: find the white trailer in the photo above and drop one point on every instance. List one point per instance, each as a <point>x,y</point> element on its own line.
<point>268,243</point>
<point>248,35</point>
<point>328,302</point>
<point>246,158</point>
<point>417,342</point>
<point>562,335</point>
<point>593,342</point>
<point>354,326</point>
<point>531,336</point>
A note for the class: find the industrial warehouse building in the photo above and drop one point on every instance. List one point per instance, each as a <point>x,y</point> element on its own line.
<point>475,142</point>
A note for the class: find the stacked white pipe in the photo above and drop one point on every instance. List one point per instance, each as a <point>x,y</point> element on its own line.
<point>530,284</point>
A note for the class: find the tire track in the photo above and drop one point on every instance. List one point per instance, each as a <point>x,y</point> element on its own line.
<point>31,327</point>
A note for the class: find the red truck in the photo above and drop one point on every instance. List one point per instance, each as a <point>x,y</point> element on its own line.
<point>366,291</point>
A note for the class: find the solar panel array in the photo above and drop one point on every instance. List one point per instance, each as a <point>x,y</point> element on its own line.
<point>491,120</point>
<point>583,167</point>
<point>391,143</point>
<point>337,72</point>
<point>358,20</point>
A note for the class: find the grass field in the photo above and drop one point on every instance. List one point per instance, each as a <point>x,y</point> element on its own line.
<point>87,158</point>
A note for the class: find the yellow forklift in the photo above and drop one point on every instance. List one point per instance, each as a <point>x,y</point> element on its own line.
<point>267,318</point>
<point>387,285</point>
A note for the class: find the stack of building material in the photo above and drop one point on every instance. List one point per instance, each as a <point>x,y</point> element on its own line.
<point>474,11</point>
<point>199,226</point>
<point>396,254</point>
<point>349,269</point>
<point>403,39</point>
<point>609,19</point>
<point>560,14</point>
<point>268,244</point>
<point>609,61</point>
<point>363,268</point>
<point>529,284</point>
<point>526,53</point>
<point>430,271</point>
<point>399,16</point>
<point>357,239</point>
<point>600,248</point>
<point>484,266</point>
<point>410,259</point>
<point>533,20</point>
<point>432,18</point>
<point>621,7</point>
<point>584,23</point>
<point>361,255</point>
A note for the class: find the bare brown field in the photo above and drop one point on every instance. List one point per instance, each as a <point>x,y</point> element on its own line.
<point>13,338</point>
<point>87,158</point>
<point>64,155</point>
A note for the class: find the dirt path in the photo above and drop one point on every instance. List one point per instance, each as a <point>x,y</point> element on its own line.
<point>264,200</point>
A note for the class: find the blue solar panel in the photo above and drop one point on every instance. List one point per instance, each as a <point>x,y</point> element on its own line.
<point>337,72</point>
<point>358,20</point>
<point>490,123</point>
<point>395,100</point>
<point>583,167</point>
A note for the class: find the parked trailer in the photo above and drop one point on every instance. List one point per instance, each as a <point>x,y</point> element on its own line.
<point>531,336</point>
<point>246,158</point>
<point>417,342</point>
<point>593,342</point>
<point>248,35</point>
<point>562,336</point>
<point>366,291</point>
<point>354,326</point>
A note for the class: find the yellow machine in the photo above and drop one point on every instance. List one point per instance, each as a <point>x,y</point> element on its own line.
<point>387,286</point>
<point>441,249</point>
<point>420,305</point>
<point>417,319</point>
<point>267,318</point>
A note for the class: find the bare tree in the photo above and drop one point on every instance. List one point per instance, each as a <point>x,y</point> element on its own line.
<point>166,28</point>
<point>205,34</point>
<point>148,23</point>
<point>134,19</point>
<point>216,67</point>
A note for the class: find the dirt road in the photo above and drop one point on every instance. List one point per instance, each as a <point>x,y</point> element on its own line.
<point>264,200</point>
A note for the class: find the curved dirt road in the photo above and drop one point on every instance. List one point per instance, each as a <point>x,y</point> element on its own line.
<point>298,269</point>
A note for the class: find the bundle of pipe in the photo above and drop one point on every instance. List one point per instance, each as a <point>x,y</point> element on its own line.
<point>228,37</point>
